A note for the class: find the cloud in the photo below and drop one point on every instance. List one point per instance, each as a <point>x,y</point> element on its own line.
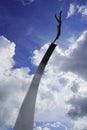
<point>82,9</point>
<point>71,10</point>
<point>79,107</point>
<point>68,68</point>
<point>40,128</point>
<point>71,60</point>
<point>38,54</point>
<point>62,87</point>
<point>7,51</point>
<point>78,111</point>
<point>26,2</point>
<point>80,124</point>
<point>13,83</point>
<point>77,9</point>
<point>50,126</point>
<point>76,62</point>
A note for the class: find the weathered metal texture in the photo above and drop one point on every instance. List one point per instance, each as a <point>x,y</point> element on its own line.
<point>26,115</point>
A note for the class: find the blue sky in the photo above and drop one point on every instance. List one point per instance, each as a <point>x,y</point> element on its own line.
<point>33,24</point>
<point>27,27</point>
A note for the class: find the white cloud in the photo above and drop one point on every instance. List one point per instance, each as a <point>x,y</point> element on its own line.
<point>50,126</point>
<point>7,51</point>
<point>56,125</point>
<point>73,59</point>
<point>26,2</point>
<point>80,124</point>
<point>13,83</point>
<point>36,57</point>
<point>62,86</point>
<point>40,128</point>
<point>71,39</point>
<point>71,10</point>
<point>82,9</point>
<point>68,73</point>
<point>45,128</point>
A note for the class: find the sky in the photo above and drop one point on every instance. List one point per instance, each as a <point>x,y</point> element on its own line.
<point>27,28</point>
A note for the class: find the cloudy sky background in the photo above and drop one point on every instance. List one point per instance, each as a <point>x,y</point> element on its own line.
<point>27,27</point>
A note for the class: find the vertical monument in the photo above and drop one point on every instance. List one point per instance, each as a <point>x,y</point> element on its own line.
<point>26,114</point>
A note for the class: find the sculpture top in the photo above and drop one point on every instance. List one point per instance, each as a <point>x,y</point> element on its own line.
<point>58,26</point>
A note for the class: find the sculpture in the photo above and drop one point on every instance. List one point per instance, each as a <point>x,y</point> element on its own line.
<point>26,114</point>
<point>58,26</point>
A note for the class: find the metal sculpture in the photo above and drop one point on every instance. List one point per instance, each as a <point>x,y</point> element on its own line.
<point>26,115</point>
<point>59,20</point>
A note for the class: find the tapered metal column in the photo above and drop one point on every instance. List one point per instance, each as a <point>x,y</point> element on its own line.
<point>26,115</point>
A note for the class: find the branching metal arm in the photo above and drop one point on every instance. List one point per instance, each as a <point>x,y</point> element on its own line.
<point>59,20</point>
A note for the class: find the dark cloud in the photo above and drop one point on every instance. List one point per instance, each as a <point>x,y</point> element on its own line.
<point>63,81</point>
<point>77,60</point>
<point>75,87</point>
<point>79,107</point>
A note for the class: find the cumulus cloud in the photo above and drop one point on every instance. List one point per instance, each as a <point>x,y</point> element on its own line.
<point>80,124</point>
<point>40,128</point>
<point>71,60</point>
<point>7,51</point>
<point>49,98</point>
<point>69,70</point>
<point>63,85</point>
<point>76,62</point>
<point>50,126</point>
<point>13,83</point>
<point>71,10</point>
<point>78,111</point>
<point>79,107</point>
